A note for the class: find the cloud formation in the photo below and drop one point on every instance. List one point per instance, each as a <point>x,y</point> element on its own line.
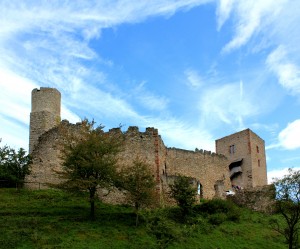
<point>194,80</point>
<point>278,173</point>
<point>251,18</point>
<point>287,72</point>
<point>289,137</point>
<point>48,44</point>
<point>227,104</point>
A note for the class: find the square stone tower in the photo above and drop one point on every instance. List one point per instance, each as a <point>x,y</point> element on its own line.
<point>246,153</point>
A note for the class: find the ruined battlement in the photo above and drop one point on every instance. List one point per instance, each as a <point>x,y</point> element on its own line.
<point>208,169</point>
<point>197,151</point>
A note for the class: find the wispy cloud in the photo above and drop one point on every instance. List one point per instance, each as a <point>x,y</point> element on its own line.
<point>48,44</point>
<point>251,17</point>
<point>224,9</point>
<point>227,104</point>
<point>148,99</point>
<point>181,133</point>
<point>287,72</point>
<point>194,80</point>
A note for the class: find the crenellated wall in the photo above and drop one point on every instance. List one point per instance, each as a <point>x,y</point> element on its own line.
<point>207,169</point>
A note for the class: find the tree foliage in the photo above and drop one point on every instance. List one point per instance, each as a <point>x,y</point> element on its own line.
<point>288,205</point>
<point>89,161</point>
<point>183,193</point>
<point>14,166</point>
<point>139,184</point>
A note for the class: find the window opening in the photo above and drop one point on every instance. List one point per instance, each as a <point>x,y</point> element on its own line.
<point>232,149</point>
<point>199,189</point>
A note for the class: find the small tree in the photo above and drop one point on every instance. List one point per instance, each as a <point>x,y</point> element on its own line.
<point>288,205</point>
<point>139,184</point>
<point>14,165</point>
<point>89,161</point>
<point>183,193</point>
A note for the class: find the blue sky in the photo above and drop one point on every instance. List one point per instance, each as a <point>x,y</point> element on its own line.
<point>197,70</point>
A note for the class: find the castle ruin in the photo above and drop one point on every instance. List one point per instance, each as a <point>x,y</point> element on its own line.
<point>239,159</point>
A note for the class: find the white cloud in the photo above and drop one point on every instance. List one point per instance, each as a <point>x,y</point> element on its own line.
<point>227,104</point>
<point>148,99</point>
<point>69,115</point>
<point>15,96</point>
<point>251,17</point>
<point>224,9</point>
<point>13,133</point>
<point>278,173</point>
<point>289,138</point>
<point>194,80</point>
<point>47,43</point>
<point>181,134</point>
<point>287,72</point>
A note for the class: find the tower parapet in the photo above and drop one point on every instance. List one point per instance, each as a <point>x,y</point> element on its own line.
<point>45,113</point>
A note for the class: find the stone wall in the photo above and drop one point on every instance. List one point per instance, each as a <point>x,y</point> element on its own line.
<point>258,199</point>
<point>209,169</point>
<point>259,164</point>
<point>46,157</point>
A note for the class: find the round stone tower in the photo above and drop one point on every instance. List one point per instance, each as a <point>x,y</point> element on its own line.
<point>45,113</point>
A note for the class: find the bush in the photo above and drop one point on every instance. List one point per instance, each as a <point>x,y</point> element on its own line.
<point>217,219</point>
<point>218,206</point>
<point>184,194</point>
<point>163,230</point>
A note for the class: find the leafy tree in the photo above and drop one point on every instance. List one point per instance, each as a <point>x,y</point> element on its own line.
<point>183,193</point>
<point>288,205</point>
<point>89,161</point>
<point>14,165</point>
<point>139,184</point>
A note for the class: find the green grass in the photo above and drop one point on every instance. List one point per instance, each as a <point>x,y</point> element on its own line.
<point>54,219</point>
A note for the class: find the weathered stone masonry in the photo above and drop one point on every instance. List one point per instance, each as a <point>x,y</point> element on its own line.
<point>209,170</point>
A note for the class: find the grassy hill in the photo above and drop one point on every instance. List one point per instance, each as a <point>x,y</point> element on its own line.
<point>54,219</point>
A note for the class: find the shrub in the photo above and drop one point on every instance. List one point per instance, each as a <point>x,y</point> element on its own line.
<point>163,230</point>
<point>218,206</point>
<point>217,218</point>
<point>183,193</point>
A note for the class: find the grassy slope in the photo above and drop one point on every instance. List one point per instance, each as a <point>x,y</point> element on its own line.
<point>53,219</point>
